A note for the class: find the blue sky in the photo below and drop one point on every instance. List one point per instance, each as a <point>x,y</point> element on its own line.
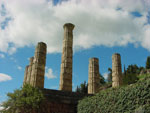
<point>108,27</point>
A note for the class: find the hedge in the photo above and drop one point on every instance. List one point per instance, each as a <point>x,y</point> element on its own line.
<point>133,98</point>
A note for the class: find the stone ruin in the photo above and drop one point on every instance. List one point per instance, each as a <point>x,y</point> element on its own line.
<point>116,70</point>
<point>94,76</point>
<point>35,71</point>
<point>66,63</point>
<point>66,99</point>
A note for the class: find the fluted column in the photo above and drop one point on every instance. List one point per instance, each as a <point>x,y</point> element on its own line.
<point>29,71</point>
<point>38,66</point>
<point>66,63</point>
<point>94,76</point>
<point>25,75</point>
<point>116,70</point>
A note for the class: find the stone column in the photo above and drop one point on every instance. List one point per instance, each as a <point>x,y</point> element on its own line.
<point>38,66</point>
<point>94,76</point>
<point>25,75</point>
<point>66,63</point>
<point>29,71</point>
<point>116,70</point>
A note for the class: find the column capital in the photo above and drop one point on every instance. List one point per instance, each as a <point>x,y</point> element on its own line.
<point>116,54</point>
<point>69,26</point>
<point>94,59</point>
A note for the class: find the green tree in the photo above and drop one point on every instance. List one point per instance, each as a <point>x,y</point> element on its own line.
<point>130,79</point>
<point>24,100</point>
<point>109,79</point>
<point>148,63</point>
<point>132,69</point>
<point>83,88</point>
<point>102,80</point>
<point>131,74</point>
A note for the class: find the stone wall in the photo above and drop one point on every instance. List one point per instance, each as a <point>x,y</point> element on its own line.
<point>62,101</point>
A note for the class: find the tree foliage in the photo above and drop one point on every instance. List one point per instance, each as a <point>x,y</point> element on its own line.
<point>83,88</point>
<point>130,99</point>
<point>148,63</point>
<point>131,74</point>
<point>23,100</point>
<point>109,79</point>
<point>102,80</point>
<point>133,69</point>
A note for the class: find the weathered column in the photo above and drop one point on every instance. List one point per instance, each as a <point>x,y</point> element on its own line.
<point>29,71</point>
<point>116,70</point>
<point>38,66</point>
<point>25,75</point>
<point>66,63</point>
<point>94,76</point>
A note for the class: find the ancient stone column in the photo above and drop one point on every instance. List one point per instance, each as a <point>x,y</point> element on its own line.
<point>29,71</point>
<point>38,66</point>
<point>94,76</point>
<point>116,70</point>
<point>25,75</point>
<point>66,63</point>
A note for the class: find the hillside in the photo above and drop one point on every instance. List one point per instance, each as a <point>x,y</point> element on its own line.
<point>133,98</point>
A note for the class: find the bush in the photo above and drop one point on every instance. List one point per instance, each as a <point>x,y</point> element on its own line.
<point>130,79</point>
<point>23,100</point>
<point>131,99</point>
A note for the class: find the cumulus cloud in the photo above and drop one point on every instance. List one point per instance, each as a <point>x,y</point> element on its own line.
<point>49,74</point>
<point>2,56</point>
<point>4,77</point>
<point>1,108</point>
<point>98,22</point>
<point>105,75</point>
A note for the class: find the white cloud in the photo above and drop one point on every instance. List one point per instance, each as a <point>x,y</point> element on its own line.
<point>2,56</point>
<point>49,74</point>
<point>105,75</point>
<point>1,108</point>
<point>4,77</point>
<point>19,67</point>
<point>97,23</point>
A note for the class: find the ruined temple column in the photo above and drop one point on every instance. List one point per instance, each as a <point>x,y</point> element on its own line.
<point>66,63</point>
<point>94,76</point>
<point>38,66</point>
<point>116,70</point>
<point>29,70</point>
<point>25,75</point>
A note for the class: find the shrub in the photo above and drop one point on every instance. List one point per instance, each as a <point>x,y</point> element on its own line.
<point>23,100</point>
<point>130,99</point>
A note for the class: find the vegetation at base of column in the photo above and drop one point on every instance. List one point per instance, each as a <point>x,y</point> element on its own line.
<point>83,88</point>
<point>133,98</point>
<point>23,100</point>
<point>148,63</point>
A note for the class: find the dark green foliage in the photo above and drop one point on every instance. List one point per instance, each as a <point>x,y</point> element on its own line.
<point>131,74</point>
<point>130,79</point>
<point>148,63</point>
<point>83,88</point>
<point>133,69</point>
<point>109,79</point>
<point>129,99</point>
<point>23,100</point>
<point>102,80</point>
